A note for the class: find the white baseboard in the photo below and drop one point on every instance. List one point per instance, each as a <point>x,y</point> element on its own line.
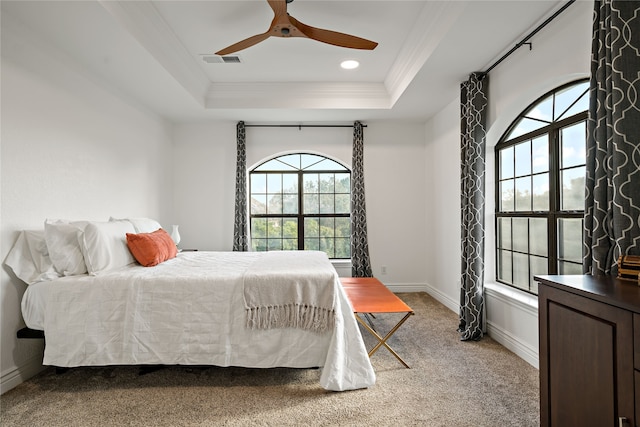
<point>406,287</point>
<point>17,375</point>
<point>445,300</point>
<point>520,348</point>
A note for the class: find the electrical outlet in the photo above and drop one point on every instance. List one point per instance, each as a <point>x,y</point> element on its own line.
<point>383,269</point>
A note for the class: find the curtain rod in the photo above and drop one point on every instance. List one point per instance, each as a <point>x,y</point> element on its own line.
<point>531,34</point>
<point>301,126</point>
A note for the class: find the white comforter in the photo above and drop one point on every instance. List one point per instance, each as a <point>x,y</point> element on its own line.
<point>188,311</point>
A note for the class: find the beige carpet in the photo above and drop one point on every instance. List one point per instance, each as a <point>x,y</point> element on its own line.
<point>451,383</point>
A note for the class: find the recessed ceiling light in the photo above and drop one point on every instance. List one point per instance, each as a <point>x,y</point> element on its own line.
<point>349,64</point>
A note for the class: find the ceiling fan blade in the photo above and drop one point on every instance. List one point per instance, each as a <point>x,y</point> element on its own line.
<point>333,37</point>
<point>279,7</point>
<point>243,44</point>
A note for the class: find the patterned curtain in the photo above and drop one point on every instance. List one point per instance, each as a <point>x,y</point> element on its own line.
<point>473,109</point>
<point>612,199</point>
<point>240,233</point>
<point>360,263</point>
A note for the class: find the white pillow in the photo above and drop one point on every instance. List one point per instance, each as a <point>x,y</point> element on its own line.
<point>29,258</point>
<point>63,246</point>
<point>142,225</point>
<point>104,245</point>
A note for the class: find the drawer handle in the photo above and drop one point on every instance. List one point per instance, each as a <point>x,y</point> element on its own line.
<point>623,421</point>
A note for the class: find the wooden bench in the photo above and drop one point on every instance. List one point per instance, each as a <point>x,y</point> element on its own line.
<point>368,296</point>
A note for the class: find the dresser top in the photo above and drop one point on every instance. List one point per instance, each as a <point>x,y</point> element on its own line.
<point>610,290</point>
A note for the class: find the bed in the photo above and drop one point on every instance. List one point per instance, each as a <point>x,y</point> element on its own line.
<point>248,309</point>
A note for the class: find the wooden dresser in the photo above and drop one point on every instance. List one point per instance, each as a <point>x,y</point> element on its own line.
<point>589,351</point>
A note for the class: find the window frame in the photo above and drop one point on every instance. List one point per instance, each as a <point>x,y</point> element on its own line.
<point>554,212</point>
<point>301,215</point>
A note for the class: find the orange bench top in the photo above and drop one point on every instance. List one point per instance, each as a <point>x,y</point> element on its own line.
<point>369,295</point>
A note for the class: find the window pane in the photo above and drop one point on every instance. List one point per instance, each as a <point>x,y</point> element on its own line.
<point>523,194</point>
<point>343,248</point>
<point>538,236</point>
<point>539,266</point>
<point>578,107</point>
<point>506,163</point>
<point>290,204</point>
<point>573,189</point>
<point>570,239</point>
<point>566,97</point>
<point>327,203</point>
<point>541,192</point>
<point>311,204</point>
<point>343,183</point>
<point>292,160</point>
<point>258,245</point>
<point>573,145</point>
<point>326,183</point>
<point>504,272</point>
<point>569,268</point>
<point>274,228</point>
<point>520,234</point>
<point>540,148</point>
<point>504,233</point>
<point>310,182</point>
<point>311,227</point>
<point>543,110</point>
<point>343,203</point>
<point>258,228</point>
<point>343,227</point>
<point>311,244</point>
<point>325,164</point>
<point>274,183</point>
<point>290,229</point>
<point>523,158</point>
<point>507,202</point>
<point>307,160</point>
<point>274,244</point>
<point>290,183</point>
<point>327,227</point>
<point>525,125</point>
<point>290,244</point>
<point>521,270</point>
<point>258,183</point>
<point>275,204</point>
<point>327,245</point>
<point>274,165</point>
<point>258,204</point>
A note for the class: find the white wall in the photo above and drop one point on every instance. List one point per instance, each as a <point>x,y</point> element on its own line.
<point>560,53</point>
<point>205,156</point>
<point>70,149</point>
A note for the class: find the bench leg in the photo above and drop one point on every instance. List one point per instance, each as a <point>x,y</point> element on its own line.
<point>383,341</point>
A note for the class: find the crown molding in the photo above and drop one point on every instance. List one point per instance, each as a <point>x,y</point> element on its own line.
<point>431,27</point>
<point>145,23</point>
<point>298,95</point>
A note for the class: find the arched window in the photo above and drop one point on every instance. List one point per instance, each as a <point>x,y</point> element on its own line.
<point>301,202</point>
<point>540,186</point>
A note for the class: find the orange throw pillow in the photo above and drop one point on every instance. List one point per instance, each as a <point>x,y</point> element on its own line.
<point>151,249</point>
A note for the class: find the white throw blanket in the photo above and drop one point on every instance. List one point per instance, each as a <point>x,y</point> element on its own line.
<point>285,291</point>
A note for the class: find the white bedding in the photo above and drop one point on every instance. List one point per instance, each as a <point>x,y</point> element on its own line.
<point>188,311</point>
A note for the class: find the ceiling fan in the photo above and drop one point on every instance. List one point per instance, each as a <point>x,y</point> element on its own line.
<point>285,25</point>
